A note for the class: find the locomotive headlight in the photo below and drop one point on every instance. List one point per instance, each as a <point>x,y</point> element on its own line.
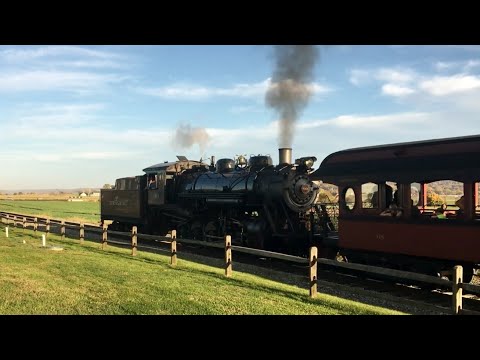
<point>306,161</point>
<point>309,163</point>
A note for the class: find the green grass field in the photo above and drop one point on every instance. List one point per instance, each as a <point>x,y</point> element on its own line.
<point>64,210</point>
<point>84,279</point>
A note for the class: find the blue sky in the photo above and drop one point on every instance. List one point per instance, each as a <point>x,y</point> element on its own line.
<point>82,116</point>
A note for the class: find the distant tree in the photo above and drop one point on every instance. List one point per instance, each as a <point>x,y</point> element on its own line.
<point>325,196</point>
<point>107,186</point>
<point>433,199</point>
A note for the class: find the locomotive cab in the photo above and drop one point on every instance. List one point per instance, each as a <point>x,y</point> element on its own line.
<point>164,178</point>
<point>156,192</point>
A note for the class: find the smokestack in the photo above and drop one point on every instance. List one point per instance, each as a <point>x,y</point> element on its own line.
<point>284,156</point>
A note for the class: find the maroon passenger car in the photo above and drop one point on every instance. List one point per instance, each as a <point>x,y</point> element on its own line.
<point>388,213</point>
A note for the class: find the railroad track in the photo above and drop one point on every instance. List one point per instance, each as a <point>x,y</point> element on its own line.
<point>431,300</point>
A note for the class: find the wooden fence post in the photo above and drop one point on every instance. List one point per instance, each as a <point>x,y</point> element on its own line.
<point>104,236</point>
<point>47,228</point>
<point>228,255</point>
<point>62,230</point>
<point>82,233</point>
<point>8,219</point>
<point>173,244</point>
<point>134,241</point>
<point>457,291</point>
<point>24,222</point>
<point>6,231</point>
<point>35,225</point>
<point>14,220</point>
<point>313,271</point>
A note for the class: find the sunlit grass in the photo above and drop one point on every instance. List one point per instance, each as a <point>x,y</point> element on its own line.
<point>63,210</point>
<point>83,279</point>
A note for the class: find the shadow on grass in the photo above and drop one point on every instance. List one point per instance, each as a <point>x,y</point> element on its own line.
<point>298,280</point>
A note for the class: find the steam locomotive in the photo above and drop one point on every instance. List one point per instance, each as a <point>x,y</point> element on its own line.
<point>259,204</point>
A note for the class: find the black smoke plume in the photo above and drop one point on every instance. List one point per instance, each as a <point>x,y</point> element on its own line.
<point>291,86</point>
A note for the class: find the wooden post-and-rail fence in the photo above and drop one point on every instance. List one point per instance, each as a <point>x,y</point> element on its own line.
<point>313,271</point>
<point>228,256</point>
<point>457,291</point>
<point>457,273</point>
<point>104,236</point>
<point>82,233</point>
<point>173,249</point>
<point>134,241</point>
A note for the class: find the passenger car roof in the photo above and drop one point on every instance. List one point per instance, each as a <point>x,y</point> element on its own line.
<point>455,158</point>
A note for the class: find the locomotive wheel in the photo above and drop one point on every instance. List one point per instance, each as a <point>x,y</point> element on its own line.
<point>196,230</point>
<point>256,241</point>
<point>210,229</point>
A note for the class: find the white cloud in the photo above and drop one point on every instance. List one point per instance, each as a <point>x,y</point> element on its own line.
<point>65,68</point>
<point>42,80</point>
<point>472,64</point>
<point>442,65</point>
<point>396,90</point>
<point>466,47</point>
<point>359,77</point>
<point>92,64</point>
<point>379,122</point>
<point>465,66</point>
<point>445,85</point>
<point>16,55</point>
<point>101,155</point>
<point>68,108</point>
<point>223,137</point>
<point>247,109</point>
<point>195,92</point>
<point>50,121</point>
<point>395,75</point>
<point>45,157</point>
<point>90,134</point>
<point>402,82</point>
<point>73,153</point>
<point>55,114</point>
